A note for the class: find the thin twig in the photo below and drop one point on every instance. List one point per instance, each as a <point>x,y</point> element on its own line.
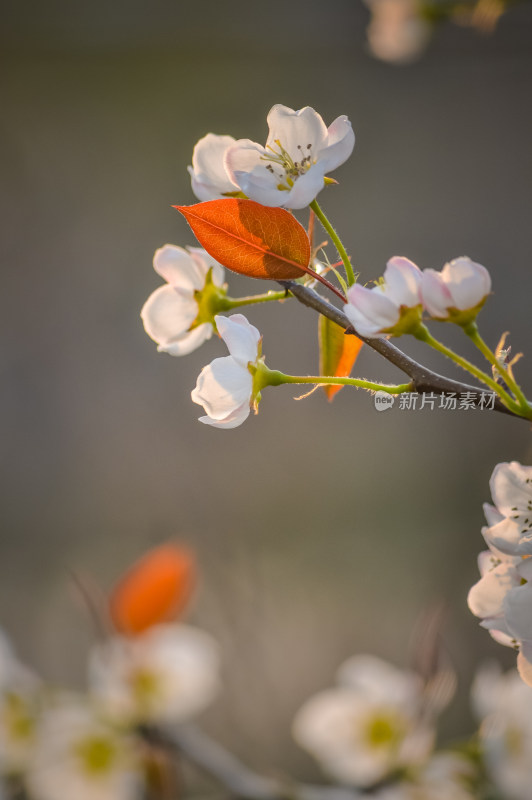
<point>242,783</point>
<point>423,379</point>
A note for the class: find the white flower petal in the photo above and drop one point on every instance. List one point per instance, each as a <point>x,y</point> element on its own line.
<point>524,663</point>
<point>508,537</point>
<point>210,180</point>
<point>467,281</point>
<point>518,612</point>
<point>206,262</point>
<point>232,420</point>
<point>306,187</point>
<point>379,680</point>
<point>492,514</point>
<point>223,386</point>
<point>295,130</point>
<point>511,488</point>
<point>245,163</point>
<point>435,295</point>
<point>369,311</point>
<point>486,597</point>
<point>167,315</point>
<point>189,341</point>
<point>340,144</point>
<point>402,279</point>
<point>242,338</point>
<point>178,268</point>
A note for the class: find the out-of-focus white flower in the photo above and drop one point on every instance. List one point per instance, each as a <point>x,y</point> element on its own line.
<point>369,726</point>
<point>300,150</point>
<point>210,180</point>
<point>78,756</point>
<point>392,307</point>
<point>458,292</point>
<point>225,386</point>
<point>167,674</point>
<point>504,705</point>
<point>502,598</point>
<point>397,32</point>
<point>179,315</point>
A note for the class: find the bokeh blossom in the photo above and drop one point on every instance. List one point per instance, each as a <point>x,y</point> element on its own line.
<point>179,316</point>
<point>503,705</point>
<point>169,673</point>
<point>370,725</point>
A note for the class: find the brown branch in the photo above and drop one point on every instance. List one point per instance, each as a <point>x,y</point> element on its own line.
<point>424,380</point>
<point>241,782</point>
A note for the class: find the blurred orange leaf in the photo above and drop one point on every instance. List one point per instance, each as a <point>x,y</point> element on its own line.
<point>338,352</point>
<point>154,590</point>
<point>249,238</point>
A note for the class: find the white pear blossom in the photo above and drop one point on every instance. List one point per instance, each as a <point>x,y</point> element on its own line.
<point>458,292</point>
<point>503,704</point>
<point>167,674</point>
<point>300,150</point>
<point>225,386</point>
<point>76,755</point>
<point>368,726</point>
<point>210,180</point>
<point>178,316</point>
<point>391,307</point>
<point>397,32</point>
<point>502,598</point>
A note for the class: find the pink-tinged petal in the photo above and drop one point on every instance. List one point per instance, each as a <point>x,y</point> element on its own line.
<point>369,311</point>
<point>511,488</point>
<point>435,295</point>
<point>402,279</point>
<point>232,420</point>
<point>306,188</point>
<point>242,338</point>
<point>502,638</point>
<point>486,597</point>
<point>189,341</point>
<point>339,146</point>
<point>508,538</point>
<point>178,268</point>
<point>295,130</point>
<point>524,663</point>
<point>205,262</point>
<point>223,386</point>
<point>209,178</point>
<point>467,281</point>
<point>518,612</point>
<point>167,315</point>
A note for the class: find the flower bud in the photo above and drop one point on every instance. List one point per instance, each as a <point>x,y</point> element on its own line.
<point>457,293</point>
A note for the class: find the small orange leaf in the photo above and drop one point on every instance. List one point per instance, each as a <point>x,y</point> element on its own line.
<point>338,352</point>
<point>153,590</point>
<point>250,238</point>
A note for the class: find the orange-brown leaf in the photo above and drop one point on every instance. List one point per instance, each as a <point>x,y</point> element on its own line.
<point>153,590</point>
<point>250,238</point>
<point>338,352</point>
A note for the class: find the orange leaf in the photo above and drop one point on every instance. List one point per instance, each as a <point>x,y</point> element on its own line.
<point>338,352</point>
<point>250,238</point>
<point>153,590</point>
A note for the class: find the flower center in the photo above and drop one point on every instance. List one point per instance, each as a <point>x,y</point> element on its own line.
<point>290,168</point>
<point>97,754</point>
<point>383,730</point>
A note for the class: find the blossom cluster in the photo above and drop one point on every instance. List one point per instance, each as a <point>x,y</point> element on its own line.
<point>502,598</point>
<point>56,743</point>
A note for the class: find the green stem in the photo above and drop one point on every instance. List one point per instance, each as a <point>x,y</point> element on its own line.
<point>276,378</point>
<point>337,242</point>
<point>478,341</point>
<point>238,302</point>
<point>423,334</point>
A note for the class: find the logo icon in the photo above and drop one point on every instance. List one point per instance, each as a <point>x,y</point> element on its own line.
<point>383,401</point>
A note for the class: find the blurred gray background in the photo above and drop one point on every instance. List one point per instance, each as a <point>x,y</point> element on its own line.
<point>322,530</point>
